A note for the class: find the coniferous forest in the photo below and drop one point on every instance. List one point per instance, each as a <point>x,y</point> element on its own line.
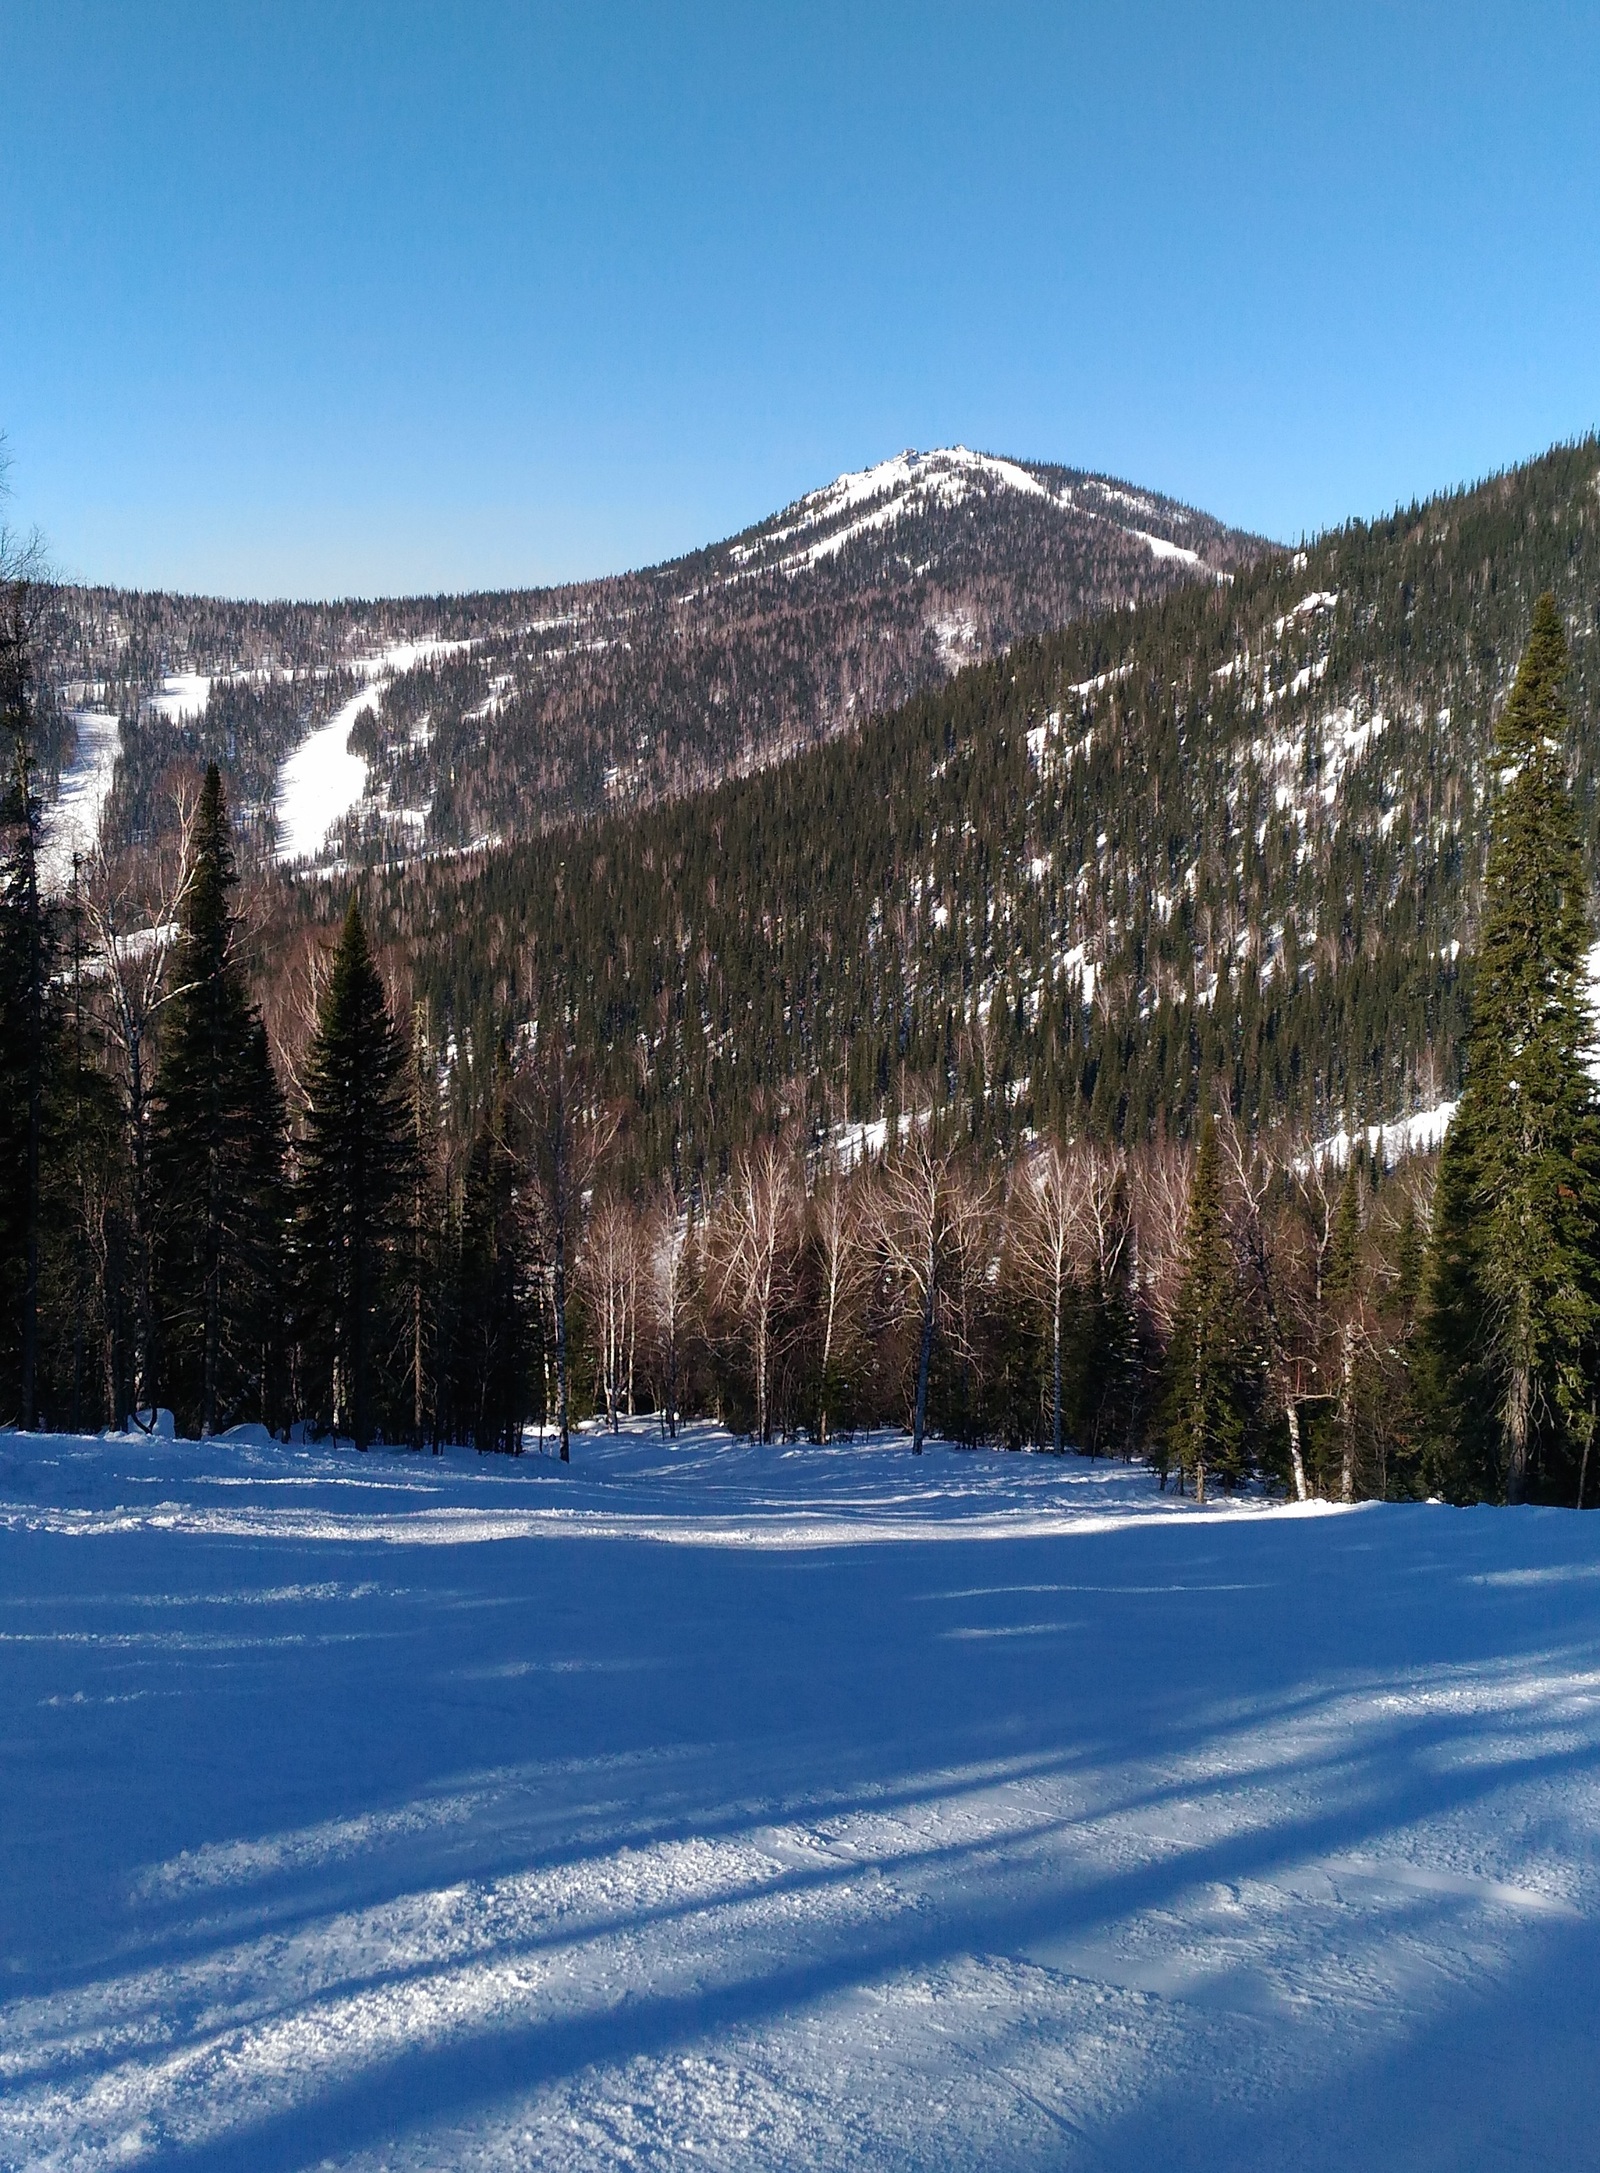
<point>1011,1068</point>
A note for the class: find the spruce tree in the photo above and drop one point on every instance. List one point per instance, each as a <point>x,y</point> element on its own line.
<point>217,1161</point>
<point>30,1059</point>
<point>1206,1408</point>
<point>495,1269</point>
<point>354,1191</point>
<point>1513,1307</point>
<point>1342,1291</point>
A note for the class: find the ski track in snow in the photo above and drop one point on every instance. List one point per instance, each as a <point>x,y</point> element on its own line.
<point>322,780</point>
<point>982,1811</point>
<point>72,821</point>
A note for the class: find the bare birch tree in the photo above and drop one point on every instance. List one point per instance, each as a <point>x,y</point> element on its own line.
<point>132,909</point>
<point>669,1245</point>
<point>836,1229</point>
<point>1043,1220</point>
<point>755,1239</point>
<point>565,1135</point>
<point>608,1275</point>
<point>1276,1271</point>
<point>918,1205</point>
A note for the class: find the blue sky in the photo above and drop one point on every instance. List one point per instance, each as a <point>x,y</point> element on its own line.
<point>334,299</point>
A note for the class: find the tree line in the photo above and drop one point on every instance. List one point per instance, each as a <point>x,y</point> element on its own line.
<point>323,1236</point>
<point>1230,844</point>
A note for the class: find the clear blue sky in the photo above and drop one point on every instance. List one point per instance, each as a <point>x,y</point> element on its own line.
<point>327,298</point>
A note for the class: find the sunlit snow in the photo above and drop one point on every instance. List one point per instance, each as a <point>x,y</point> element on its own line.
<point>946,476</point>
<point>788,1807</point>
<point>72,821</point>
<point>322,781</point>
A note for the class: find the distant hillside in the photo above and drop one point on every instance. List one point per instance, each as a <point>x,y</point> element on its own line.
<point>1226,845</point>
<point>529,707</point>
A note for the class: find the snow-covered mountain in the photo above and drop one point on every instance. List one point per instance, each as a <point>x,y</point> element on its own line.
<point>891,501</point>
<point>441,722</point>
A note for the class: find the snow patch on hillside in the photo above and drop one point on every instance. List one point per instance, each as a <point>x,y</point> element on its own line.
<point>72,821</point>
<point>880,496</point>
<point>1420,1133</point>
<point>322,781</point>
<point>182,694</point>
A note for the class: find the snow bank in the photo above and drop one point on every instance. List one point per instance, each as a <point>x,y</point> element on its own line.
<point>778,1807</point>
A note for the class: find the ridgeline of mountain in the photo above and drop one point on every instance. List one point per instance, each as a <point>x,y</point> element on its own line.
<point>1225,846</point>
<point>491,716</point>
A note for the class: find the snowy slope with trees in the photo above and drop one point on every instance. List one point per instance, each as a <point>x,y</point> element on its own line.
<point>716,1805</point>
<point>496,714</point>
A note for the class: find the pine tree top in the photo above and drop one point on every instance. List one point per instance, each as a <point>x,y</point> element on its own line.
<point>1534,720</point>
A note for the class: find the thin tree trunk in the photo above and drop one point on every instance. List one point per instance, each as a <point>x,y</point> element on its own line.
<point>762,1431</point>
<point>924,1360</point>
<point>632,1339</point>
<point>1588,1444</point>
<point>1055,1356</point>
<point>560,1295</point>
<point>1297,1462</point>
<point>1347,1417</point>
<point>30,1272</point>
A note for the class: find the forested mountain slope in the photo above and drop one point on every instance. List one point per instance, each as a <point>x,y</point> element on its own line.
<point>1227,843</point>
<point>493,715</point>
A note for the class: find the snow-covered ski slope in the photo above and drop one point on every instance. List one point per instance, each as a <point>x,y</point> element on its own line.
<point>784,1808</point>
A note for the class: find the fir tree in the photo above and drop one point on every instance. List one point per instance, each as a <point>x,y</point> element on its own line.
<point>354,1194</point>
<point>1207,1404</point>
<point>1342,1291</point>
<point>494,1276</point>
<point>217,1161</point>
<point>1513,1280</point>
<point>30,1053</point>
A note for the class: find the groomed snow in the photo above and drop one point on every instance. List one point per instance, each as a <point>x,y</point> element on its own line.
<point>713,1805</point>
<point>72,821</point>
<point>183,694</point>
<point>322,780</point>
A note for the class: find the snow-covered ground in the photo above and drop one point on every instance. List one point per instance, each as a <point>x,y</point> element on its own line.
<point>322,780</point>
<point>72,821</point>
<point>732,1807</point>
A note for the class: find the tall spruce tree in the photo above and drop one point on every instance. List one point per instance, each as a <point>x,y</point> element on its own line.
<point>1513,1307</point>
<point>494,1273</point>
<point>1208,1394</point>
<point>30,1053</point>
<point>217,1153</point>
<point>353,1220</point>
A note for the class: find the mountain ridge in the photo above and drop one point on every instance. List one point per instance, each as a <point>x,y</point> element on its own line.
<point>1224,846</point>
<point>535,705</point>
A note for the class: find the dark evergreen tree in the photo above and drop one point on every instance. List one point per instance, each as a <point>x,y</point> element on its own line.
<point>1209,1396</point>
<point>217,1155</point>
<point>30,1052</point>
<point>354,1206</point>
<point>495,1274</point>
<point>1514,1308</point>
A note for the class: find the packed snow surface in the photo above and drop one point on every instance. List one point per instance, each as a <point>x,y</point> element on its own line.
<point>714,1805</point>
<point>72,821</point>
<point>322,780</point>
